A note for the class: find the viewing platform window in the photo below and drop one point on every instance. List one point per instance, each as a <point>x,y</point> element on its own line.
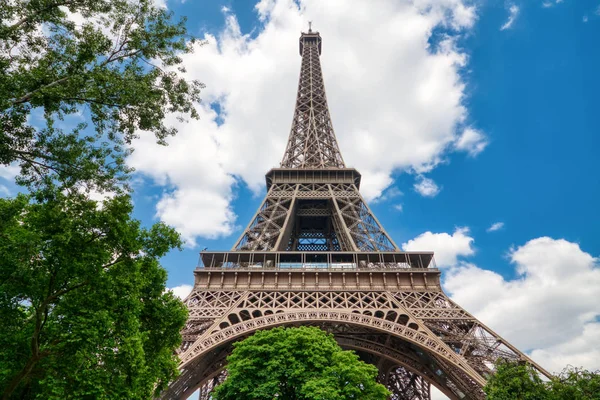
<point>315,260</point>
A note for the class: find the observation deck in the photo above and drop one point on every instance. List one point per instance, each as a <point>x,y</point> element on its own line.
<point>319,260</point>
<point>316,271</point>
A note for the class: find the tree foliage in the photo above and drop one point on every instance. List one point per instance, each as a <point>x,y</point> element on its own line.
<point>297,363</point>
<point>515,381</point>
<point>115,62</point>
<point>83,307</point>
<point>520,381</point>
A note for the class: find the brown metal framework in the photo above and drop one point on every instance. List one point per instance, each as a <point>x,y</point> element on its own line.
<point>314,254</point>
<point>312,142</point>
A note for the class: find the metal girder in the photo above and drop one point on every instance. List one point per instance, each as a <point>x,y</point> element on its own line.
<point>335,213</point>
<point>312,142</point>
<point>315,254</point>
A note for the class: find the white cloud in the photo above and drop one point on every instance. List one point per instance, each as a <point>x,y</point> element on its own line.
<point>447,248</point>
<point>99,196</point>
<point>549,3</point>
<point>585,18</point>
<point>9,172</point>
<point>513,12</point>
<point>496,226</point>
<point>397,101</point>
<point>398,207</point>
<point>550,309</point>
<point>437,395</point>
<point>472,141</point>
<point>426,187</point>
<point>4,191</point>
<point>199,190</point>
<point>582,350</point>
<point>388,194</point>
<point>181,291</point>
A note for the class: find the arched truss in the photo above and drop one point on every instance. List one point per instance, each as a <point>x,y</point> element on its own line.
<point>458,377</point>
<point>460,347</point>
<point>404,368</point>
<point>409,333</point>
<point>250,311</point>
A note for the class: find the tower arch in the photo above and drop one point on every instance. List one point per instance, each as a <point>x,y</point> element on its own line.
<point>415,352</point>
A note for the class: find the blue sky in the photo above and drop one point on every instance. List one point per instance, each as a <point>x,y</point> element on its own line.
<point>531,88</point>
<point>460,114</point>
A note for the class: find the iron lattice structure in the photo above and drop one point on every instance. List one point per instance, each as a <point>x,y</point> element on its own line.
<point>314,254</point>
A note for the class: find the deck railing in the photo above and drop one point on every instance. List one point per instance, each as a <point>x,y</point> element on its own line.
<point>337,261</point>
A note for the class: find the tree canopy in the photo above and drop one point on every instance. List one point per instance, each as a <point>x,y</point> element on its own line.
<point>520,381</point>
<point>302,363</point>
<point>115,63</point>
<point>83,307</point>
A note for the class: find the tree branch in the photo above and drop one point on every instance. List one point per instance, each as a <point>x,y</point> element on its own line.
<point>50,299</point>
<point>27,97</point>
<point>111,58</point>
<point>30,17</point>
<point>85,100</point>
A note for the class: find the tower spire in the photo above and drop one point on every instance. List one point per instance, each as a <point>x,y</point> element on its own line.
<point>312,143</point>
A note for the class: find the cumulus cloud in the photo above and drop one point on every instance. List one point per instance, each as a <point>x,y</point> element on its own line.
<point>582,350</point>
<point>398,207</point>
<point>9,172</point>
<point>513,12</point>
<point>426,187</point>
<point>447,248</point>
<point>181,291</point>
<point>496,226</point>
<point>472,141</point>
<point>395,94</point>
<point>198,190</point>
<point>550,309</point>
<point>390,193</point>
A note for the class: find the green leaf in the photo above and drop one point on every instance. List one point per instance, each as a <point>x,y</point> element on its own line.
<point>297,363</point>
<point>83,307</point>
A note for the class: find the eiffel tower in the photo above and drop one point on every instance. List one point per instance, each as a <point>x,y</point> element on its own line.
<point>315,254</point>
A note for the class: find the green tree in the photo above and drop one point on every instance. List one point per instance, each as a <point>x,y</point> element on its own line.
<point>520,381</point>
<point>83,308</point>
<point>297,363</point>
<point>575,384</point>
<point>515,381</point>
<point>116,62</point>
